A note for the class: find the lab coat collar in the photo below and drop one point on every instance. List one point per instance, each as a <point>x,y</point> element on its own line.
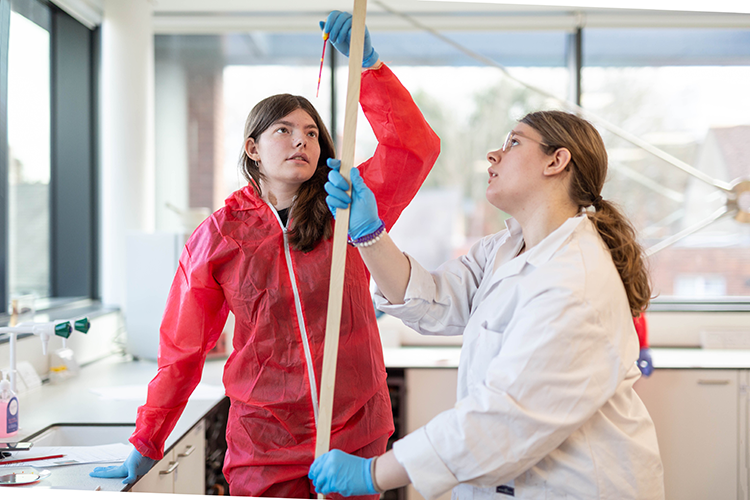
<point>538,255</point>
<point>508,263</point>
<point>544,250</point>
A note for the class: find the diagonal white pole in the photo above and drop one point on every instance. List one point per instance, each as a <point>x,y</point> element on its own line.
<point>338,259</point>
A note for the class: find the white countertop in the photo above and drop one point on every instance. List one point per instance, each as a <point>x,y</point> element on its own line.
<point>74,402</point>
<point>663,358</point>
<point>709,359</point>
<point>421,357</point>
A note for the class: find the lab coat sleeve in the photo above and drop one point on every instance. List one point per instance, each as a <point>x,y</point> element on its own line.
<point>407,146</point>
<point>440,303</point>
<point>556,368</point>
<point>193,320</point>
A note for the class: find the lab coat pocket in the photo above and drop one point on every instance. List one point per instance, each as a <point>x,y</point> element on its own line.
<point>486,345</point>
<point>491,338</point>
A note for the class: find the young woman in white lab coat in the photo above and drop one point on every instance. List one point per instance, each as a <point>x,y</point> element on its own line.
<point>545,406</point>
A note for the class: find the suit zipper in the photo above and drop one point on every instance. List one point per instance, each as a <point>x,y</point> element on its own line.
<point>300,320</point>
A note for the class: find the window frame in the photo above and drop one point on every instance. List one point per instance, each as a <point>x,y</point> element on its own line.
<point>74,61</point>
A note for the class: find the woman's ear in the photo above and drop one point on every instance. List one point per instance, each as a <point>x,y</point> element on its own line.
<point>251,149</point>
<point>558,163</point>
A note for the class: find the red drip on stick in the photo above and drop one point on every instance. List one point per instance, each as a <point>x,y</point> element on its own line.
<point>322,57</point>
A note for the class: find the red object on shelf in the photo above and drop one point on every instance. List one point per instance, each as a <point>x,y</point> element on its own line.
<point>641,328</point>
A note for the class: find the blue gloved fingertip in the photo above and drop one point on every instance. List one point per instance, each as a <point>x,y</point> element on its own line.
<point>355,176</point>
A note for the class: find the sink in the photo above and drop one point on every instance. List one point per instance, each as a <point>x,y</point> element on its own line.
<point>82,434</point>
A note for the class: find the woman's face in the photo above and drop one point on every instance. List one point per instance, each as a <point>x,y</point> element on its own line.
<point>287,152</point>
<point>516,172</point>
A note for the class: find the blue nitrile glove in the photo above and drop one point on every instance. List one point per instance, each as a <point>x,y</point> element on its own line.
<point>135,465</point>
<point>363,219</point>
<point>339,28</point>
<point>339,472</point>
<point>645,363</point>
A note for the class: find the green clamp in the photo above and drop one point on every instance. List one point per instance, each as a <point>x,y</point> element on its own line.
<point>82,325</point>
<point>63,329</point>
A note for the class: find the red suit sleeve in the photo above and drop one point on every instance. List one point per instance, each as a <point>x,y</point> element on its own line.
<point>641,328</point>
<point>193,320</point>
<point>407,146</point>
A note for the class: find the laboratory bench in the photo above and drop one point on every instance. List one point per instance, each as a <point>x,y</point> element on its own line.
<point>92,398</point>
<point>698,399</point>
<point>75,402</point>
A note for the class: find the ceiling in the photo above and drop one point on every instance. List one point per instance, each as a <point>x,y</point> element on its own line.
<point>415,6</point>
<point>226,16</point>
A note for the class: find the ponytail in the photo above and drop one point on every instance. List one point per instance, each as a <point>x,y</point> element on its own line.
<point>620,237</point>
<point>588,168</point>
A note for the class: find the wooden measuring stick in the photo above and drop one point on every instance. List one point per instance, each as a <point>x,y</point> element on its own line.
<point>338,259</point>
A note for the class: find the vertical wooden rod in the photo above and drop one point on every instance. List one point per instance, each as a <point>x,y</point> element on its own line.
<point>338,259</point>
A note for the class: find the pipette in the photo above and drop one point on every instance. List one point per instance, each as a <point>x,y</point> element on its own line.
<point>322,57</point>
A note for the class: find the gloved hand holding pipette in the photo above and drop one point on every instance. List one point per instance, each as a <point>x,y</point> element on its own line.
<point>339,27</point>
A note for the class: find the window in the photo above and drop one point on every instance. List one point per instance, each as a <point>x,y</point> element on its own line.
<point>700,286</point>
<point>681,90</point>
<point>29,158</point>
<point>47,167</point>
<point>458,96</point>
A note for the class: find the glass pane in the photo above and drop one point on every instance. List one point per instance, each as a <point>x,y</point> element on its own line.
<point>696,113</point>
<point>471,107</point>
<point>241,95</point>
<point>29,161</point>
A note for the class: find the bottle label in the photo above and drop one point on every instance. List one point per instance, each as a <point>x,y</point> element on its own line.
<point>11,417</point>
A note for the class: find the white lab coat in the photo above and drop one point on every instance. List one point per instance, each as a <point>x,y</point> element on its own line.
<point>545,405</point>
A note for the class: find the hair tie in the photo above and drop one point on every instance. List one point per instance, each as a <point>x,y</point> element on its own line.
<point>597,201</point>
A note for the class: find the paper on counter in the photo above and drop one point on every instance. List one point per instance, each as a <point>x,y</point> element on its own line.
<point>74,455</point>
<point>138,392</point>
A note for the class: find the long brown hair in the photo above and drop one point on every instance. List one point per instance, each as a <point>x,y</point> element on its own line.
<point>588,167</point>
<point>310,219</point>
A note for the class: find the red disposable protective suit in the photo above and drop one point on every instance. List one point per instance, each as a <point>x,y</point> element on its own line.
<point>239,260</point>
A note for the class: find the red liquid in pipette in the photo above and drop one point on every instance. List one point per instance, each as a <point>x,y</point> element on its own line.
<point>322,57</point>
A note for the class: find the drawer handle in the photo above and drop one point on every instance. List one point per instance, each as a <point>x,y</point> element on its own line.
<point>187,451</point>
<point>172,467</point>
<point>713,382</point>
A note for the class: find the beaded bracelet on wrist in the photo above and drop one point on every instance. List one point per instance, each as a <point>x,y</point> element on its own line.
<point>369,239</point>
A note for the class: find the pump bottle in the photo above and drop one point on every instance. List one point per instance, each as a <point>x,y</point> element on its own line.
<point>8,410</point>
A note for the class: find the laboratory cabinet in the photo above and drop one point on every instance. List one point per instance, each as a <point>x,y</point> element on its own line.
<point>429,391</point>
<point>182,470</point>
<point>701,419</point>
<point>701,416</point>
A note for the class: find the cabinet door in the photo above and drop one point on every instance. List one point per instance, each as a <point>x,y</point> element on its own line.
<point>696,414</point>
<point>190,454</point>
<point>160,478</point>
<point>429,391</point>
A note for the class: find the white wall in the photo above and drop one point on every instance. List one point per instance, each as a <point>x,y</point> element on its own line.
<point>127,136</point>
